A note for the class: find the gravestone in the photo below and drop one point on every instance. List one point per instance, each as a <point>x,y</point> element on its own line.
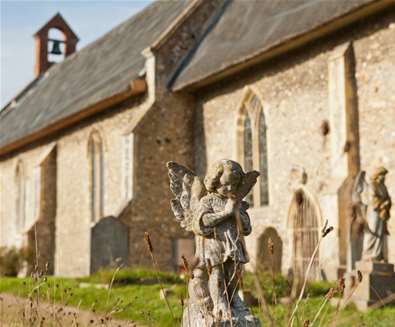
<point>373,281</point>
<point>377,285</point>
<point>267,260</point>
<point>109,242</point>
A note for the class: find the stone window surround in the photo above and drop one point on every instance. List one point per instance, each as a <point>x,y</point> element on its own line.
<point>95,142</point>
<point>243,109</point>
<point>20,196</point>
<point>127,174</point>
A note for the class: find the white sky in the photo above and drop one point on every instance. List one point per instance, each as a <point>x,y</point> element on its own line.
<point>19,20</point>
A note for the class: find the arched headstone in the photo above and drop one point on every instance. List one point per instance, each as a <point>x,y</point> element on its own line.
<point>109,242</point>
<point>270,250</point>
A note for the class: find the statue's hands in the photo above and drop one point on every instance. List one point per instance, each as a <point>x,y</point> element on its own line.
<point>231,206</point>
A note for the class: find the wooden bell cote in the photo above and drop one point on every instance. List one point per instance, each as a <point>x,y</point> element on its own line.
<point>42,42</point>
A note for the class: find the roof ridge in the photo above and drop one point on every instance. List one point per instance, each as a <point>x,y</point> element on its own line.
<point>95,75</point>
<point>71,57</point>
<point>94,42</point>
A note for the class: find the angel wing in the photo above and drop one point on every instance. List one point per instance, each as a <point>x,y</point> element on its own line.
<point>188,189</point>
<point>358,218</point>
<point>249,180</point>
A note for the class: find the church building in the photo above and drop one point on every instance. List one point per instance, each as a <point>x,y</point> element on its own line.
<point>301,91</point>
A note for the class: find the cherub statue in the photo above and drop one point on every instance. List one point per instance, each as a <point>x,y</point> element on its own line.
<point>215,212</point>
<point>373,214</point>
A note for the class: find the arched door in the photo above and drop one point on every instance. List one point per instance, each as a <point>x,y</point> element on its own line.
<point>304,217</point>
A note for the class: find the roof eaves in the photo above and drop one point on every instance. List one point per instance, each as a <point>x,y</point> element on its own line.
<point>135,88</point>
<point>284,46</point>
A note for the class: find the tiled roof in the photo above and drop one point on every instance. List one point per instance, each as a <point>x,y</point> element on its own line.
<point>248,28</point>
<point>97,72</point>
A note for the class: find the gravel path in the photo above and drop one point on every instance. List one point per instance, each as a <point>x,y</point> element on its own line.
<point>17,312</point>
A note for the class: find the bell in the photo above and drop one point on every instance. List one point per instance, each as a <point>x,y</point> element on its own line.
<point>56,48</point>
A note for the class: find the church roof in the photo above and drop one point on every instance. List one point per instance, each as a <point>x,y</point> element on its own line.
<point>104,69</point>
<point>248,29</point>
<point>97,72</point>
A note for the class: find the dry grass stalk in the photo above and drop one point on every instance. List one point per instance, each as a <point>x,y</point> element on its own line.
<point>262,301</point>
<point>341,285</point>
<point>327,298</point>
<point>270,245</point>
<point>377,305</point>
<point>147,239</point>
<point>112,283</point>
<point>324,232</point>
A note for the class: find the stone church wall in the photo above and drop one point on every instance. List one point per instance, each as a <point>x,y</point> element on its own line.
<point>73,218</point>
<point>294,93</point>
<point>162,137</point>
<point>196,131</point>
<point>164,134</point>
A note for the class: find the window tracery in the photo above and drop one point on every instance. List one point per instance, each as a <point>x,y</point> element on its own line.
<point>252,145</point>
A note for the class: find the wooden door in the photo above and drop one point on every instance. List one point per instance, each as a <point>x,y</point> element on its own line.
<point>304,221</point>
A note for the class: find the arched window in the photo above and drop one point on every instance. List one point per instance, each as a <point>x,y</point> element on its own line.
<point>263,165</point>
<point>248,153</point>
<point>20,197</point>
<point>252,145</point>
<point>96,160</point>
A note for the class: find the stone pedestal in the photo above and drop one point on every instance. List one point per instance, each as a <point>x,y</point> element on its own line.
<point>378,283</point>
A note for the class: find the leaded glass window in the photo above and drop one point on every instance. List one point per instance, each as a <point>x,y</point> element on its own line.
<point>263,165</point>
<point>248,161</point>
<point>252,145</point>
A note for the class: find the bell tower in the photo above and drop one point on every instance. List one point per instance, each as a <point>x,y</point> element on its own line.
<point>65,46</point>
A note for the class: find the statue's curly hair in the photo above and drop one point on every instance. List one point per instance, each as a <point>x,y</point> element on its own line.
<point>212,179</point>
<point>380,171</point>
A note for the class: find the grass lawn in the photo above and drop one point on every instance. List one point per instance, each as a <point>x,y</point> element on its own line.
<point>135,297</point>
<point>140,303</point>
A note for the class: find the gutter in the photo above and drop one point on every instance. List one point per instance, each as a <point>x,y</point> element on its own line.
<point>136,87</point>
<point>285,46</point>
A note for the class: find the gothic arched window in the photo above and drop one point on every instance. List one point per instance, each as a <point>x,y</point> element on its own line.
<point>263,165</point>
<point>20,197</point>
<point>252,145</point>
<point>96,161</point>
<point>248,153</point>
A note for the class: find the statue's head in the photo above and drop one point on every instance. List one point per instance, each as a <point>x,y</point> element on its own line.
<point>379,175</point>
<point>224,177</point>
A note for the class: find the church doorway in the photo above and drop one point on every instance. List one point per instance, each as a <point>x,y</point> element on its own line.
<point>270,251</point>
<point>304,221</point>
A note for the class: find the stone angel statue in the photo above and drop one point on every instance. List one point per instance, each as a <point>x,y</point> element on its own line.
<point>371,206</point>
<point>214,210</point>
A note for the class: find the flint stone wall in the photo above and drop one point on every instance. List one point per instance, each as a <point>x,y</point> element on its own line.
<point>294,89</point>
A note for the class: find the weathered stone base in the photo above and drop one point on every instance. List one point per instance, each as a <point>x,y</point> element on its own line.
<point>193,316</point>
<point>377,285</point>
